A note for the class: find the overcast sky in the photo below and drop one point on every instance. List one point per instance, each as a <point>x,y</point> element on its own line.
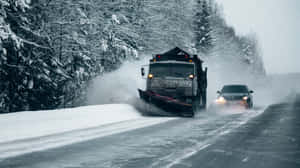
<point>277,24</point>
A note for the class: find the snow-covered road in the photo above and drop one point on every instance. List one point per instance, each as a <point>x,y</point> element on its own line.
<point>160,142</point>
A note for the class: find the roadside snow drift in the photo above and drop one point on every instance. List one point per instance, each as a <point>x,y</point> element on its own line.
<point>27,132</point>
<point>24,125</point>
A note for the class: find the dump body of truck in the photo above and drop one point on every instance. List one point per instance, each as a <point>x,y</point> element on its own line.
<point>176,82</point>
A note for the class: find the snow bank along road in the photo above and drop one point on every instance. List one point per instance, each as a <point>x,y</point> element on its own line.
<point>28,132</point>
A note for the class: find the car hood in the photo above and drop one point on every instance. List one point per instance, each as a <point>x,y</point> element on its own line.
<point>234,94</point>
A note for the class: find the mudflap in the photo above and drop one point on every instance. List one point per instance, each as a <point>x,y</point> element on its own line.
<point>168,104</point>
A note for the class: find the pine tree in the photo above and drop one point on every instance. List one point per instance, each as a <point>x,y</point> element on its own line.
<point>90,37</point>
<point>30,72</point>
<point>202,27</point>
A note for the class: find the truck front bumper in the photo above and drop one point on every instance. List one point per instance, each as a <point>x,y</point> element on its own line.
<point>168,104</point>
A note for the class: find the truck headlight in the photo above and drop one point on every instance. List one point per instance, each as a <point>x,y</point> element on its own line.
<point>245,98</point>
<point>150,76</point>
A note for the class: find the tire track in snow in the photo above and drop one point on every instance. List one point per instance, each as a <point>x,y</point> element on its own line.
<point>177,158</point>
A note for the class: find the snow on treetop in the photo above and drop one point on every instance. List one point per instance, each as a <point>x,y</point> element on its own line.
<point>115,19</point>
<point>23,4</point>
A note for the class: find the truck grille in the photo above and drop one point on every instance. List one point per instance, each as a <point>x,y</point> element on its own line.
<point>168,83</point>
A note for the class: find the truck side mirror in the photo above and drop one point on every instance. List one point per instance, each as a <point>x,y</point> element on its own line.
<point>219,92</point>
<point>143,71</point>
<point>251,91</point>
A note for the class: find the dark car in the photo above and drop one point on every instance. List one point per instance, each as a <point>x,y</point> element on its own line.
<point>235,95</point>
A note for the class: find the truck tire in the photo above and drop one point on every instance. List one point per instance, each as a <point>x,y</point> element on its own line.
<point>190,115</point>
<point>203,100</point>
<point>196,104</point>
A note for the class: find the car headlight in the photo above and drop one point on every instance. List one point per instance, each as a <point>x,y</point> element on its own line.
<point>221,100</point>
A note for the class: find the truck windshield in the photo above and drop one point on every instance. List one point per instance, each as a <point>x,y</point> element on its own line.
<point>171,69</point>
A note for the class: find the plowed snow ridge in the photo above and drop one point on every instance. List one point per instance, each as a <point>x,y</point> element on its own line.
<point>30,131</point>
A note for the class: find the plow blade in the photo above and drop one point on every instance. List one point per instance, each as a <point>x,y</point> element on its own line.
<point>167,104</point>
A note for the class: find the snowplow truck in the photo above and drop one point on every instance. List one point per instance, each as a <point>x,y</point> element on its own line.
<point>176,82</point>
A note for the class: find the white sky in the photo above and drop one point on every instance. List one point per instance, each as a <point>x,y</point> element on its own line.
<point>277,24</point>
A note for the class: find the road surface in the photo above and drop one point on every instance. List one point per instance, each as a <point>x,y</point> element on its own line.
<point>262,137</point>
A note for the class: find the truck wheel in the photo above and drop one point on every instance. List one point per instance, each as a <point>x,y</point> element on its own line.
<point>204,95</point>
<point>196,104</point>
<point>249,105</point>
<point>190,114</point>
<point>202,101</point>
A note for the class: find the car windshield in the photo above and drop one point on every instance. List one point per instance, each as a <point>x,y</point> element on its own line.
<point>235,89</point>
<point>171,69</point>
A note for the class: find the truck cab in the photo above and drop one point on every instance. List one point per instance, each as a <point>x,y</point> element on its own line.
<point>175,82</point>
